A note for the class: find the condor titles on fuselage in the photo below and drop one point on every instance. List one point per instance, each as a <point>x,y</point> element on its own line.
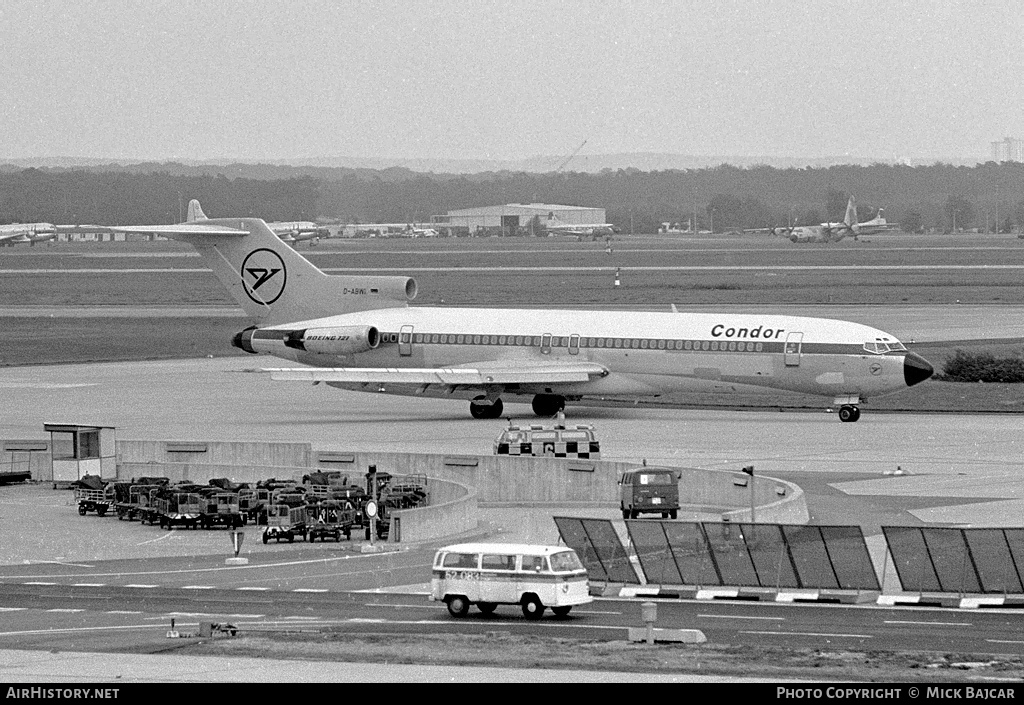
<point>359,333</point>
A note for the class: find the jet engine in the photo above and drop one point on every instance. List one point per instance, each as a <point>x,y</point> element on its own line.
<point>344,340</point>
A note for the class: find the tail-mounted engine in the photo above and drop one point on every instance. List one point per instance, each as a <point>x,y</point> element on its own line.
<point>341,340</point>
<point>346,340</point>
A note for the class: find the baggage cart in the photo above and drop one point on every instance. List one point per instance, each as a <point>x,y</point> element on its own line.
<point>98,501</point>
<point>330,518</point>
<point>285,522</point>
<point>179,508</point>
<point>221,509</point>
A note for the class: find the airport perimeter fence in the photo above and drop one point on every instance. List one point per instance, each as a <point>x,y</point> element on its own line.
<point>718,554</point>
<point>957,560</point>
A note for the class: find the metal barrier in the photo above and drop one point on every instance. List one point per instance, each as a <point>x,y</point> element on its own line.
<point>599,548</point>
<point>957,560</point>
<point>719,554</point>
<point>753,555</point>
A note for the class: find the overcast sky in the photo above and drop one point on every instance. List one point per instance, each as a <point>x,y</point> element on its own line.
<point>509,79</point>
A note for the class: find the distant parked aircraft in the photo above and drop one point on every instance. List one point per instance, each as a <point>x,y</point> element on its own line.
<point>31,233</point>
<point>299,231</point>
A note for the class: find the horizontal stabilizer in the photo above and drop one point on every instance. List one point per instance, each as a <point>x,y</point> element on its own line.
<point>182,229</point>
<point>525,374</point>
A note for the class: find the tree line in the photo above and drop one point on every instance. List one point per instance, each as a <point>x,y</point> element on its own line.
<point>937,197</point>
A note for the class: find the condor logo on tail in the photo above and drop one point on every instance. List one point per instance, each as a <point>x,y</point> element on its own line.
<point>264,276</point>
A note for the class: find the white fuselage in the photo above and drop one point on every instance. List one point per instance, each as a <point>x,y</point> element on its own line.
<point>645,354</point>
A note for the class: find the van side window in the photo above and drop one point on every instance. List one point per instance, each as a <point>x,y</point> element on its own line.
<point>534,563</point>
<point>460,560</point>
<point>496,562</point>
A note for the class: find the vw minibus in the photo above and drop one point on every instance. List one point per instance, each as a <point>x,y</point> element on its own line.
<point>490,574</point>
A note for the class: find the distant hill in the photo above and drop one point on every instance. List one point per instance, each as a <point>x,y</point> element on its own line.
<point>587,163</point>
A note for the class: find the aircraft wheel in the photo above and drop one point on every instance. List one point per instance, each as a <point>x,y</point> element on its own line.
<point>561,611</point>
<point>547,404</point>
<point>485,411</point>
<point>849,413</point>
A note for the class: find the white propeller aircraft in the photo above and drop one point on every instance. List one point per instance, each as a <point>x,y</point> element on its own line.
<point>359,333</point>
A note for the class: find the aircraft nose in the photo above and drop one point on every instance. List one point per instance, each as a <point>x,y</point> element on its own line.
<point>916,369</point>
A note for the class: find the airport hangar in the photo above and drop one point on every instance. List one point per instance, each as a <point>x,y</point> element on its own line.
<point>511,216</point>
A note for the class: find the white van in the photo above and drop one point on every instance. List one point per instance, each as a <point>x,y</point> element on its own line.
<point>491,574</point>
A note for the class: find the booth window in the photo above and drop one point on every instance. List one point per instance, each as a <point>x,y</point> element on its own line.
<point>63,445</point>
<point>88,444</point>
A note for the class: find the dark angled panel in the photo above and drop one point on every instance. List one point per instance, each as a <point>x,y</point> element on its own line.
<point>729,551</point>
<point>610,551</point>
<point>1015,540</point>
<point>953,564</point>
<point>573,536</point>
<point>910,556</point>
<point>807,547</point>
<point>767,548</point>
<point>652,549</point>
<point>991,555</point>
<point>849,556</point>
<point>692,553</point>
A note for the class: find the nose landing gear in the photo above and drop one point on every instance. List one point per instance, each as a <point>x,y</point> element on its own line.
<point>849,413</point>
<point>548,404</point>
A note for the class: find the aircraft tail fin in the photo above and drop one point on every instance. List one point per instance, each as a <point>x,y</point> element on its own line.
<point>270,280</point>
<point>851,213</point>
<point>195,212</point>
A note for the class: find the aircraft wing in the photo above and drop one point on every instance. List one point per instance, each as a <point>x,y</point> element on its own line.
<point>180,229</point>
<point>476,376</point>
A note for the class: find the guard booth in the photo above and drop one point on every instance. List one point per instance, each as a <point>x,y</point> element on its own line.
<point>77,451</point>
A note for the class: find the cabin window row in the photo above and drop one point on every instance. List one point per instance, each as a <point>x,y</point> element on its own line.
<point>563,342</point>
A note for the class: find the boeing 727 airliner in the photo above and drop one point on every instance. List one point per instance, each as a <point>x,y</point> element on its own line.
<point>359,333</point>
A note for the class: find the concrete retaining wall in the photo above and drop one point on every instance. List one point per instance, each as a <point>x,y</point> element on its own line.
<point>452,511</point>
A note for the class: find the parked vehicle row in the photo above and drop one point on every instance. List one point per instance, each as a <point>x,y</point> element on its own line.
<point>324,505</point>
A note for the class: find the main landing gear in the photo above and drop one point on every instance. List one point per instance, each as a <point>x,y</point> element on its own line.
<point>481,408</point>
<point>548,404</point>
<point>849,412</point>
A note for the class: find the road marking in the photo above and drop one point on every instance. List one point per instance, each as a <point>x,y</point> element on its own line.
<point>307,590</point>
<point>123,612</point>
<point>12,609</point>
<point>88,584</point>
<point>81,629</point>
<point>140,585</point>
<point>937,624</point>
<point>740,616</point>
<point>850,636</point>
<point>61,609</point>
<point>1003,641</point>
<point>39,583</point>
<point>252,588</point>
<point>197,587</point>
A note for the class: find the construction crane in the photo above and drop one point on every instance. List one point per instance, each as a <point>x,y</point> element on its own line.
<point>569,158</point>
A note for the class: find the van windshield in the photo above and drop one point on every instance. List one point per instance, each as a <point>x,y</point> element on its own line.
<point>657,478</point>
<point>565,561</point>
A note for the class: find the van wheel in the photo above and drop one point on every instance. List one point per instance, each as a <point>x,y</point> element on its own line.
<point>673,514</point>
<point>561,611</point>
<point>532,607</point>
<point>633,514</point>
<point>458,606</point>
<point>486,607</point>
<point>625,513</point>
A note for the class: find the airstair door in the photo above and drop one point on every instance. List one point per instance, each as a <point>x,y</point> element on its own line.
<point>794,342</point>
<point>574,344</point>
<point>545,343</point>
<point>405,341</point>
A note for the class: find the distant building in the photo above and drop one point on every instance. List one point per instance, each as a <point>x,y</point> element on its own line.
<point>1008,149</point>
<point>518,215</point>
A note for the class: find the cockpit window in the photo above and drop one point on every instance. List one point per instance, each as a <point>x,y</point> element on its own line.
<point>880,348</point>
